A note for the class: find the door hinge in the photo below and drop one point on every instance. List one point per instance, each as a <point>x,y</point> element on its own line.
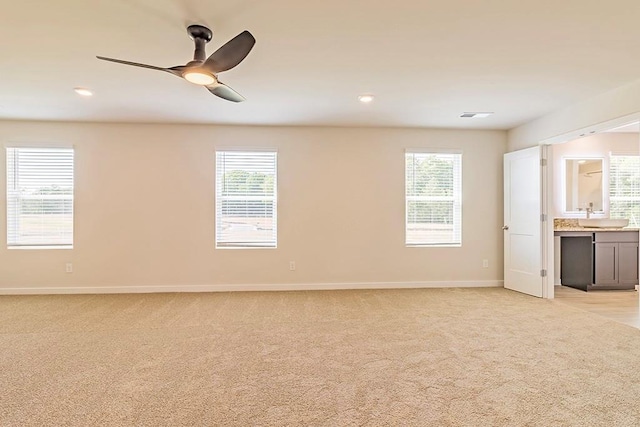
<point>543,217</point>
<point>543,162</point>
<point>543,273</point>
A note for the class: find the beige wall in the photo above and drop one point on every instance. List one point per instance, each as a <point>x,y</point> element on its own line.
<point>596,146</point>
<point>583,117</point>
<point>144,210</point>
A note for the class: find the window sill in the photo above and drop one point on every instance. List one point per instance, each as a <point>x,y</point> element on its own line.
<point>245,247</point>
<point>442,245</point>
<point>46,247</point>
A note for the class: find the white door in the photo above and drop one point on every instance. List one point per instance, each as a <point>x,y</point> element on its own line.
<point>522,225</point>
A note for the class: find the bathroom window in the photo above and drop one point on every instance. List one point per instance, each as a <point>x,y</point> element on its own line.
<point>624,188</point>
<point>39,197</point>
<point>246,199</point>
<point>433,198</point>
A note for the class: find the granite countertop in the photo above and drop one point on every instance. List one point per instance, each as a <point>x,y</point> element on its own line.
<point>571,224</point>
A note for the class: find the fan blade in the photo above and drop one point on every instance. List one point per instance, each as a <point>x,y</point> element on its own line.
<point>173,70</point>
<point>231,53</point>
<point>225,92</point>
<point>135,64</point>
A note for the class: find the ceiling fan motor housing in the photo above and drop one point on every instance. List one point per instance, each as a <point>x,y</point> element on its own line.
<point>200,32</point>
<point>201,36</point>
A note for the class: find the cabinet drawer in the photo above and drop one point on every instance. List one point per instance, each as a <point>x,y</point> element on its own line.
<point>616,236</point>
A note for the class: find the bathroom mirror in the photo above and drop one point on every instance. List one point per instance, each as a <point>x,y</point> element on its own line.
<point>583,185</point>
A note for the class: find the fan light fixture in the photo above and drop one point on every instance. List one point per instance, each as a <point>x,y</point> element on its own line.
<point>199,77</point>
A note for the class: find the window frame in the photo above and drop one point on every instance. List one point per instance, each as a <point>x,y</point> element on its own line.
<point>456,198</point>
<point>218,198</point>
<point>612,200</point>
<point>16,245</point>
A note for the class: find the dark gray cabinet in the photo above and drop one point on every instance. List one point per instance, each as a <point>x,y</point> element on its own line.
<point>606,264</point>
<point>628,264</point>
<point>591,260</point>
<point>615,260</point>
<point>576,261</point>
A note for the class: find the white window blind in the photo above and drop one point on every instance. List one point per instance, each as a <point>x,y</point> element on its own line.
<point>433,199</point>
<point>246,199</point>
<point>624,188</point>
<point>39,197</point>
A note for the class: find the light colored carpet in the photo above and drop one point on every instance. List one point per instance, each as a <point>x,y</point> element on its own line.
<point>441,357</point>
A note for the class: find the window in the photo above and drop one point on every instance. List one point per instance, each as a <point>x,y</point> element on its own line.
<point>433,198</point>
<point>246,199</point>
<point>39,197</point>
<point>624,188</point>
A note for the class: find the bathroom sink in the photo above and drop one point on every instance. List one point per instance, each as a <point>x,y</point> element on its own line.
<point>603,222</point>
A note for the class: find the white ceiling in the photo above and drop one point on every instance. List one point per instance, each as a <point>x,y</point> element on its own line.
<point>426,61</point>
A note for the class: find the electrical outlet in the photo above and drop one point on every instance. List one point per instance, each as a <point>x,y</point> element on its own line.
<point>485,263</point>
<point>292,265</point>
<point>68,267</point>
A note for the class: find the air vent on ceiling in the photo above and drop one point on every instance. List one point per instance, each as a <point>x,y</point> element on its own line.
<point>475,115</point>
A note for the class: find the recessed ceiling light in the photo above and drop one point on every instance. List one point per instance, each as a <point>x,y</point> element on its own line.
<point>476,115</point>
<point>581,162</point>
<point>365,99</point>
<point>83,91</point>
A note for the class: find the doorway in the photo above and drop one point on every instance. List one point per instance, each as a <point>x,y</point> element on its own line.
<point>613,145</point>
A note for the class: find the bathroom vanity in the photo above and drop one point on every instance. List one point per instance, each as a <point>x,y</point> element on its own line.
<point>598,258</point>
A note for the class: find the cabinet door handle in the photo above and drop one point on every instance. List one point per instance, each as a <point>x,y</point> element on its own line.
<point>505,227</point>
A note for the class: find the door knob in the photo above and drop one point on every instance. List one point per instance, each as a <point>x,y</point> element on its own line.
<point>505,227</point>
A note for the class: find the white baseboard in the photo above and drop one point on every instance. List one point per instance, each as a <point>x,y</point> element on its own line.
<point>244,288</point>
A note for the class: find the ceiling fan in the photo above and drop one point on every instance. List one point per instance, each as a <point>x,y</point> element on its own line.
<point>202,70</point>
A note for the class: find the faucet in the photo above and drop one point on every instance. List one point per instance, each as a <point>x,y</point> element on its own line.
<point>589,210</point>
